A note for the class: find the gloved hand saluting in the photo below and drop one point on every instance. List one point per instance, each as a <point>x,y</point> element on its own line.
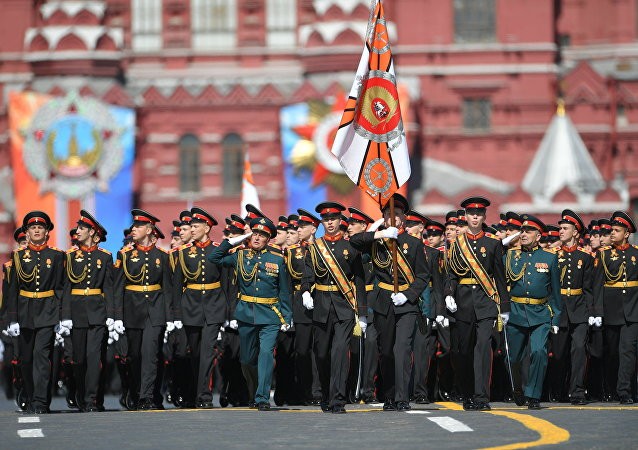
<point>239,239</point>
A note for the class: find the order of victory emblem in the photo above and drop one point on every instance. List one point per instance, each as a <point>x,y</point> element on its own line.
<point>72,146</point>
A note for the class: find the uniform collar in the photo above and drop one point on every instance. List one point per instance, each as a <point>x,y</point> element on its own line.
<point>203,244</point>
<point>144,248</point>
<point>476,236</point>
<point>88,249</point>
<point>569,249</point>
<point>37,248</point>
<point>334,238</point>
<point>624,246</point>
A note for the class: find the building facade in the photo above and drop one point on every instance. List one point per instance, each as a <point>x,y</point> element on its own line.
<point>208,79</point>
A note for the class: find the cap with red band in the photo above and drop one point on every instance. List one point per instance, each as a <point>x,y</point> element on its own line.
<point>475,203</point>
<point>202,216</point>
<point>532,222</point>
<point>141,216</point>
<point>570,217</point>
<point>622,219</point>
<point>252,212</point>
<point>37,218</point>
<point>306,217</point>
<point>359,216</point>
<point>329,209</point>
<point>88,220</point>
<point>416,217</point>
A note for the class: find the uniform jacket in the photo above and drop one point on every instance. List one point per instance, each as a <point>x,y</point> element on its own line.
<point>619,265</point>
<point>35,269</point>
<point>144,266</point>
<point>471,299</point>
<point>316,272</point>
<point>89,268</point>
<point>414,252</point>
<point>431,299</point>
<point>538,277</point>
<point>577,271</point>
<point>259,274</point>
<point>196,307</point>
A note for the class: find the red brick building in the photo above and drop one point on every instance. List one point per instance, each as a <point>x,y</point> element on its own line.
<point>207,79</point>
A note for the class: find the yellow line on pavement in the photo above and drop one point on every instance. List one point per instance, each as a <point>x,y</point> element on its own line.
<point>450,405</point>
<point>549,433</point>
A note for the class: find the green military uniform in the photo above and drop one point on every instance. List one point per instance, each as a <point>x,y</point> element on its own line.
<point>533,278</point>
<point>264,305</point>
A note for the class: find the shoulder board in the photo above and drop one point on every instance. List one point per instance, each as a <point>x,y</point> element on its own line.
<point>190,244</point>
<point>56,249</point>
<point>8,264</point>
<point>553,251</point>
<point>493,236</point>
<point>274,246</point>
<point>216,244</point>
<point>276,254</point>
<point>635,246</point>
<point>104,250</point>
<point>174,249</point>
<point>126,249</point>
<point>586,252</point>
<point>290,247</point>
<point>163,250</point>
<point>72,250</point>
<point>606,247</point>
<point>509,250</point>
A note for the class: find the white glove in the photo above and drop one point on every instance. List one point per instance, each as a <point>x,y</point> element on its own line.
<point>68,324</point>
<point>398,298</point>
<point>14,329</point>
<point>113,336</point>
<point>166,333</point>
<point>598,321</point>
<point>450,303</point>
<point>61,330</point>
<point>178,324</point>
<point>307,300</point>
<point>170,326</point>
<point>239,239</point>
<point>363,323</point>
<point>220,336</point>
<point>59,340</point>
<point>446,322</point>
<point>118,327</point>
<point>390,233</point>
<point>285,327</point>
<point>233,324</point>
<point>226,323</point>
<point>375,226</point>
<point>506,241</point>
<point>505,317</point>
<point>439,320</point>
<point>554,329</point>
<point>591,321</point>
<point>109,324</point>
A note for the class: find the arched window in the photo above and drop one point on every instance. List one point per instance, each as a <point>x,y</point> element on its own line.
<point>474,21</point>
<point>281,23</point>
<point>214,24</point>
<point>233,151</point>
<point>189,176</point>
<point>146,25</point>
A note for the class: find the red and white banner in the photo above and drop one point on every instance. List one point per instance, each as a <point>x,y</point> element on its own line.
<point>248,189</point>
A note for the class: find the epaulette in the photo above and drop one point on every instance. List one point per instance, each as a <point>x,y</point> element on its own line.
<point>8,264</point>
<point>57,249</point>
<point>586,252</point>
<point>275,246</point>
<point>635,246</point>
<point>493,236</point>
<point>190,244</point>
<point>276,254</point>
<point>290,247</point>
<point>125,249</point>
<point>175,249</point>
<point>163,249</point>
<point>72,250</point>
<point>553,251</point>
<point>104,250</point>
<point>606,247</point>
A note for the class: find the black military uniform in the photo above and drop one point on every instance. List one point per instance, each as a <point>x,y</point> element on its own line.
<point>88,301</point>
<point>142,281</point>
<point>330,264</point>
<point>396,325</point>
<point>620,302</point>
<point>200,304</point>
<point>33,302</point>
<point>581,286</point>
<point>479,302</point>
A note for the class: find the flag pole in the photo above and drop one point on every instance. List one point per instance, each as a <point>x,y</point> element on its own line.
<point>393,249</point>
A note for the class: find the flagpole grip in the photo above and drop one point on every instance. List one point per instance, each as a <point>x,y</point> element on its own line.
<point>393,249</point>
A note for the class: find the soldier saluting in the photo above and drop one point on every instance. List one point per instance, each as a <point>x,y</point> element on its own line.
<point>88,303</point>
<point>33,307</point>
<point>142,283</point>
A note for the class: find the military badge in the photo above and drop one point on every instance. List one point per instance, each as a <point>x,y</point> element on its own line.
<point>298,254</point>
<point>580,264</point>
<point>134,255</point>
<point>98,263</point>
<point>345,253</point>
<point>596,262</point>
<point>27,256</point>
<point>633,260</point>
<point>48,261</point>
<point>542,267</point>
<point>614,255</point>
<point>157,262</point>
<point>192,253</point>
<point>272,269</point>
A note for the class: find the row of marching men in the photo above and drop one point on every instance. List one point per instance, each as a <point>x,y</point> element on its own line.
<point>265,278</point>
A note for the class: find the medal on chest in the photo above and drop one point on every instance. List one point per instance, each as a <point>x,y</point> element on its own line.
<point>135,256</point>
<point>26,257</point>
<point>79,256</point>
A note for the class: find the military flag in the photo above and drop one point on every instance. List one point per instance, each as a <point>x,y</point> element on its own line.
<point>370,143</point>
<point>248,189</point>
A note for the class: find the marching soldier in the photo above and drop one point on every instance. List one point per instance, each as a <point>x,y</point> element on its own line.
<point>476,294</point>
<point>33,307</point>
<point>620,301</point>
<point>142,283</point>
<point>199,302</point>
<point>395,312</point>
<point>334,267</point>
<point>581,306</point>
<point>534,280</point>
<point>88,304</point>
<point>264,303</point>
<point>185,227</point>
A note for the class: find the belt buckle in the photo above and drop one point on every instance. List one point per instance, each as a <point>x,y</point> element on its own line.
<point>569,291</point>
<point>145,288</point>
<point>35,295</point>
<point>86,291</point>
<point>203,287</point>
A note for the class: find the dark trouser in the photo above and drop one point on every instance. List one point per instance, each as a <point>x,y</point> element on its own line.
<point>201,341</point>
<point>303,359</point>
<point>144,351</point>
<point>518,338</point>
<point>424,349</point>
<point>35,347</point>
<point>627,353</point>
<point>445,372</point>
<point>332,342</point>
<point>356,360</point>
<point>472,342</point>
<point>611,342</point>
<point>285,369</point>
<point>396,337</point>
<point>257,343</point>
<point>574,338</point>
<point>370,362</point>
<point>88,346</point>
<point>234,384</point>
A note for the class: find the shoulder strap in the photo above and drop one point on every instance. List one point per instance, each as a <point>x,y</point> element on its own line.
<point>477,269</point>
<point>402,262</point>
